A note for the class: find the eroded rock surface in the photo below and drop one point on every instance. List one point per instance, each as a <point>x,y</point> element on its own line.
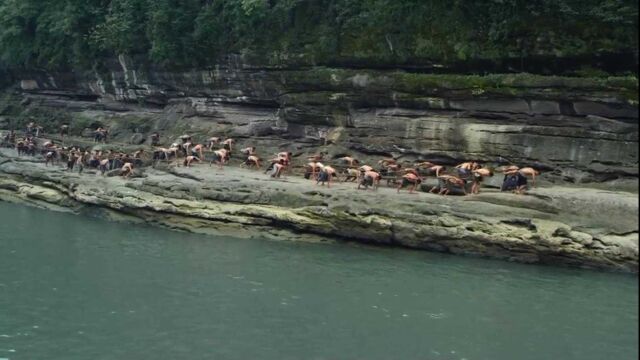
<point>575,130</point>
<point>554,225</point>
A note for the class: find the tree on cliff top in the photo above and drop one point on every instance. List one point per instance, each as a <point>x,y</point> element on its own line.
<point>58,34</point>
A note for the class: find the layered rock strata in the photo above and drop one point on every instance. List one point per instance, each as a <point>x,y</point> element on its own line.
<point>575,130</point>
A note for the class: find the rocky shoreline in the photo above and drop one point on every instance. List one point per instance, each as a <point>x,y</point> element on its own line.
<point>575,226</point>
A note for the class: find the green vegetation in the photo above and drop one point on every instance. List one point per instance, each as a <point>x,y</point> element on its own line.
<point>522,84</point>
<point>63,34</point>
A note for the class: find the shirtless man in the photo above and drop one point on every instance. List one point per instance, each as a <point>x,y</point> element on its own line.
<point>249,151</point>
<point>465,169</point>
<point>198,150</point>
<point>213,141</point>
<point>117,162</point>
<point>351,174</point>
<point>393,167</point>
<point>94,160</point>
<point>313,168</point>
<point>159,153</point>
<point>79,162</point>
<point>277,169</point>
<point>220,157</point>
<point>138,154</point>
<point>530,172</point>
<point>370,178</point>
<point>317,157</point>
<point>287,157</point>
<point>189,159</point>
<point>436,169</point>
<point>50,156</point>
<point>252,160</point>
<point>387,161</point>
<point>451,182</point>
<point>126,170</point>
<point>284,155</point>
<point>71,160</point>
<point>326,174</point>
<point>185,138</point>
<point>349,161</point>
<point>392,171</point>
<point>478,176</point>
<point>137,157</point>
<point>186,148</point>
<point>104,165</point>
<point>227,144</point>
<point>410,178</point>
<point>424,165</point>
<point>442,184</point>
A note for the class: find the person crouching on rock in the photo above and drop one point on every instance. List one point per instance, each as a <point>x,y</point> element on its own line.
<point>190,159</point>
<point>220,157</point>
<point>326,174</point>
<point>277,169</point>
<point>452,182</point>
<point>351,175</point>
<point>370,178</point>
<point>317,157</point>
<point>228,144</point>
<point>248,151</point>
<point>410,178</point>
<point>213,141</point>
<point>252,160</point>
<point>514,180</point>
<point>198,150</point>
<point>126,170</point>
<point>286,157</point>
<point>312,170</point>
<point>465,169</point>
<point>529,172</point>
<point>350,161</point>
<point>478,176</point>
<point>436,170</point>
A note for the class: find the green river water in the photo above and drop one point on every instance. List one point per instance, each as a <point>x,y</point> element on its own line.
<point>74,287</point>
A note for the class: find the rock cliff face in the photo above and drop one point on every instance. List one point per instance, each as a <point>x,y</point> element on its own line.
<point>576,130</point>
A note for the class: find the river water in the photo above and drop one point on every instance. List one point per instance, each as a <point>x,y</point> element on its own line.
<point>74,287</point>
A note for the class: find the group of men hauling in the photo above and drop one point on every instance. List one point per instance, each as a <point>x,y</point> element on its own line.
<point>413,176</point>
<point>454,179</point>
